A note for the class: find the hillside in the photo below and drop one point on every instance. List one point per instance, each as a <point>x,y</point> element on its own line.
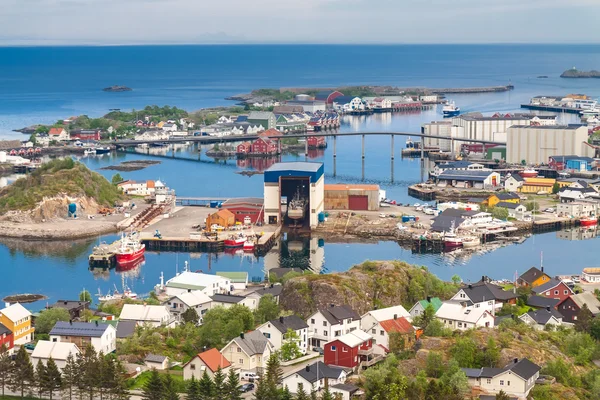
<point>46,193</point>
<point>365,286</point>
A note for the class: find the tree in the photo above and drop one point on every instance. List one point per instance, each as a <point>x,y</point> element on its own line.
<point>286,394</point>
<point>584,319</point>
<point>231,386</point>
<point>532,206</point>
<point>219,385</point>
<point>301,394</point>
<point>595,329</point>
<point>205,387</point>
<point>193,392</point>
<point>456,279</point>
<point>5,367</point>
<point>555,189</point>
<point>326,395</point>
<point>170,390</point>
<point>397,342</point>
<point>500,213</point>
<point>455,378</point>
<point>33,138</point>
<point>502,394</point>
<point>85,296</point>
<point>270,382</point>
<point>70,377</point>
<point>290,349</point>
<point>22,375</point>
<point>434,365</point>
<point>424,319</point>
<point>53,378</point>
<point>154,387</point>
<point>220,325</point>
<point>40,378</point>
<point>464,352</point>
<point>384,381</point>
<point>190,316</point>
<point>267,309</point>
<point>89,366</point>
<point>116,179</point>
<point>48,318</point>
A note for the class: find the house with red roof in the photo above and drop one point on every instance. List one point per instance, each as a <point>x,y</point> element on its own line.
<point>264,145</point>
<point>382,331</point>
<point>209,361</point>
<point>272,134</point>
<point>59,134</point>
<point>243,148</point>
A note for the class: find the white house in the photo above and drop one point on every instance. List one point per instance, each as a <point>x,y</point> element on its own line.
<point>238,279</point>
<point>144,314</point>
<point>380,103</point>
<point>156,361</point>
<point>102,337</point>
<point>461,165</point>
<point>543,317</point>
<point>313,377</point>
<point>516,379</point>
<point>59,351</point>
<point>195,299</point>
<point>331,322</point>
<point>514,210</point>
<point>188,281</point>
<point>459,316</point>
<point>371,318</point>
<point>227,300</point>
<point>485,295</point>
<point>513,182</point>
<point>59,134</point>
<point>248,352</point>
<point>169,127</point>
<point>152,135</point>
<point>348,103</point>
<point>145,188</point>
<point>209,361</point>
<point>276,331</point>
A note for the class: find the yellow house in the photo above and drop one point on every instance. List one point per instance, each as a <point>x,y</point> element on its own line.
<point>508,197</point>
<point>533,278</point>
<point>18,319</point>
<point>535,185</point>
<point>160,124</point>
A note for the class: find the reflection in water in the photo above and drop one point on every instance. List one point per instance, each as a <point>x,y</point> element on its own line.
<point>65,250</point>
<point>579,233</point>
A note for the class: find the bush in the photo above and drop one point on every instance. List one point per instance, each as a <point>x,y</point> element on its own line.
<point>434,365</point>
<point>437,329</point>
<point>562,372</point>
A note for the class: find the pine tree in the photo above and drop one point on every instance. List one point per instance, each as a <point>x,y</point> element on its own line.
<point>154,388</point>
<point>301,394</point>
<point>88,365</point>
<point>313,395</point>
<point>231,386</point>
<point>285,394</point>
<point>262,390</point>
<point>119,391</point>
<point>273,377</point>
<point>53,378</point>
<point>206,387</point>
<point>193,392</point>
<point>22,375</point>
<point>106,373</point>
<point>70,377</point>
<point>219,385</point>
<point>326,395</point>
<point>41,378</point>
<point>6,367</point>
<point>170,392</point>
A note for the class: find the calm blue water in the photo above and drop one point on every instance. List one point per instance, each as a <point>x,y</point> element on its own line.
<point>41,85</point>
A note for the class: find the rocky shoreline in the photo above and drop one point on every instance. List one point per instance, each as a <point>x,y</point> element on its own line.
<point>574,73</point>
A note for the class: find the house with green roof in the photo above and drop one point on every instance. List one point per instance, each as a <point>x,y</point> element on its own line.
<point>238,279</point>
<point>421,305</point>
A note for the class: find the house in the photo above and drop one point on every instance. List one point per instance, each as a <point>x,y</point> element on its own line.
<point>485,295</point>
<point>59,135</point>
<point>196,299</point>
<point>102,337</point>
<point>571,162</point>
<point>541,318</point>
<point>513,182</point>
<point>316,142</point>
<point>249,352</point>
<point>169,127</point>
<point>554,289</point>
<point>468,179</point>
<point>570,307</point>
<point>331,322</point>
<point>145,188</point>
<point>238,279</point>
<point>264,145</point>
<point>157,362</point>
<point>517,378</point>
<point>349,350</point>
<point>7,339</point>
<point>533,277</point>
<point>59,351</point>
<point>573,193</point>
<point>86,134</point>
<point>509,197</point>
<point>381,103</point>
<point>125,329</point>
<point>273,290</point>
<point>462,316</point>
<point>421,305</point>
<point>591,275</point>
<point>144,314</point>
<point>348,104</point>
<point>223,217</point>
<point>246,210</point>
<point>328,96</point>
<point>243,148</point>
<point>536,185</point>
<point>460,165</point>
<point>371,318</point>
<point>209,361</point>
<point>276,331</point>
<point>382,331</point>
<point>313,378</point>
<point>266,119</point>
<point>541,302</point>
<point>344,391</point>
<point>577,209</point>
<point>227,300</point>
<point>188,281</point>
<point>515,210</point>
<point>74,307</point>
<point>18,320</point>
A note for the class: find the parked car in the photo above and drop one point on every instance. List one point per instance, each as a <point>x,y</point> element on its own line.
<point>549,210</point>
<point>318,350</point>
<point>247,387</point>
<point>382,215</point>
<point>249,376</point>
<point>576,279</point>
<point>29,346</point>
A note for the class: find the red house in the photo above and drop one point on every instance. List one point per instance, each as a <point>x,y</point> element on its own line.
<point>349,350</point>
<point>86,134</point>
<point>241,208</point>
<point>263,145</point>
<point>316,142</point>
<point>271,134</point>
<point>328,96</point>
<point>243,148</point>
<point>6,338</point>
<point>553,289</point>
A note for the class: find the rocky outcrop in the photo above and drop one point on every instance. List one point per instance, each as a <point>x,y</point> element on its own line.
<point>574,73</point>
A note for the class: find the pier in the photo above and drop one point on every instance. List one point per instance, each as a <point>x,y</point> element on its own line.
<point>557,109</point>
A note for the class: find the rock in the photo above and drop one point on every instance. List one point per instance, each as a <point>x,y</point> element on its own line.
<point>117,88</point>
<point>574,73</point>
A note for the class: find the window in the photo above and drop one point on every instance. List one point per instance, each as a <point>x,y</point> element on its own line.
<point>324,323</point>
<point>490,303</point>
<point>477,305</point>
<point>344,349</point>
<point>489,381</point>
<point>460,324</point>
<point>241,361</point>
<point>312,321</point>
<point>381,333</point>
<point>373,331</point>
<point>193,367</point>
<point>462,296</point>
<point>349,320</point>
<point>239,350</point>
<point>566,292</point>
<point>556,292</point>
<point>324,333</point>
<point>507,383</point>
<point>333,348</point>
<point>501,383</point>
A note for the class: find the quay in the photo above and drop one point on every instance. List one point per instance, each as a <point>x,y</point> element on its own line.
<point>488,89</point>
<point>557,109</point>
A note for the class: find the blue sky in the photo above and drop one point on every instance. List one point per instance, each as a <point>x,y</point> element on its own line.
<point>33,22</point>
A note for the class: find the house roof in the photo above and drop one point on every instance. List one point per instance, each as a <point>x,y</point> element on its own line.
<point>274,291</point>
<point>15,312</point>
<point>552,283</point>
<point>234,276</point>
<point>531,275</point>
<point>225,213</point>
<point>55,131</point>
<point>477,176</point>
<point>227,298</point>
<point>346,388</point>
<point>344,99</point>
<point>571,158</point>
<point>318,371</point>
<point>457,312</point>
<point>260,115</point>
<point>388,313</point>
<point>516,177</point>
<point>483,291</point>
<point>354,338</point>
<point>254,201</point>
<point>4,330</point>
<point>542,302</point>
<point>254,342</point>
<point>493,397</point>
<point>506,204</point>
<point>194,280</point>
<point>434,301</point>
<point>293,322</point>
<point>400,325</point>
<point>193,298</point>
<point>542,316</point>
<point>70,304</point>
<point>296,166</point>
<point>143,312</point>
<point>213,359</point>
<point>336,314</point>
<point>523,368</point>
<point>83,329</point>
<point>589,299</point>
<point>155,358</point>
<point>125,329</point>
<point>455,164</point>
<point>507,196</point>
<point>45,349</point>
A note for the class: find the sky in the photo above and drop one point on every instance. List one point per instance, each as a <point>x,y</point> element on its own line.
<point>115,22</point>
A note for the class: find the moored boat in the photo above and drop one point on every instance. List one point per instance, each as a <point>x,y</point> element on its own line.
<point>249,246</point>
<point>102,150</point>
<point>528,173</point>
<point>450,109</point>
<point>588,221</point>
<point>451,239</point>
<point>235,241</point>
<point>130,250</point>
<point>470,242</point>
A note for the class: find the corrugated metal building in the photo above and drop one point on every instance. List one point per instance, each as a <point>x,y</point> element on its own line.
<point>352,197</point>
<point>536,144</point>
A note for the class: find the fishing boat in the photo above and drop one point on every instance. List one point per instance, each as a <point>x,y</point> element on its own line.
<point>249,246</point>
<point>297,207</point>
<point>451,239</point>
<point>235,240</point>
<point>528,173</point>
<point>588,221</point>
<point>109,296</point>
<point>450,109</point>
<point>130,250</point>
<point>470,241</point>
<point>89,152</point>
<point>102,150</point>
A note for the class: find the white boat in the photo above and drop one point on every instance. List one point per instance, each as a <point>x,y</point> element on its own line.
<point>471,241</point>
<point>89,152</point>
<point>450,109</point>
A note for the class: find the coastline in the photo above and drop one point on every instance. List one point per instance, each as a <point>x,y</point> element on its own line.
<point>57,230</point>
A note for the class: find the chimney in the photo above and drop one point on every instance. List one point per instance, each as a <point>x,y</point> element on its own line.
<point>307,369</point>
<point>548,308</point>
<point>96,323</point>
<point>281,319</point>
<point>516,360</point>
<point>395,316</point>
<point>470,286</point>
<point>429,299</point>
<point>542,269</point>
<point>65,302</point>
<point>483,278</point>
<point>242,335</point>
<point>331,305</point>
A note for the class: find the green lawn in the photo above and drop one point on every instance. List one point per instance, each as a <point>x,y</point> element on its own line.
<point>24,398</point>
<point>139,382</point>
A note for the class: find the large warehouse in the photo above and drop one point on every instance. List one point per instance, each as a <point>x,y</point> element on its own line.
<point>294,193</point>
<point>352,197</point>
<point>536,144</point>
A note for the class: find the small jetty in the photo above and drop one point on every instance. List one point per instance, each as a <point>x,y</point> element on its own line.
<point>104,254</point>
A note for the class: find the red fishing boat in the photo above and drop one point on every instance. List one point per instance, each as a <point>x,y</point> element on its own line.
<point>130,250</point>
<point>249,246</point>
<point>588,221</point>
<point>528,173</point>
<point>235,241</point>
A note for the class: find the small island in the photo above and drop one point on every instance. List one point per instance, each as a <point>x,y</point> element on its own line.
<point>117,88</point>
<point>574,73</point>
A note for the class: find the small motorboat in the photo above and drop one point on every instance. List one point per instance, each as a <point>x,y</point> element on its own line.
<point>470,241</point>
<point>249,246</point>
<point>235,241</point>
<point>528,173</point>
<point>589,221</point>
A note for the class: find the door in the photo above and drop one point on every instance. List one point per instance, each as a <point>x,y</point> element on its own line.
<point>356,202</point>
